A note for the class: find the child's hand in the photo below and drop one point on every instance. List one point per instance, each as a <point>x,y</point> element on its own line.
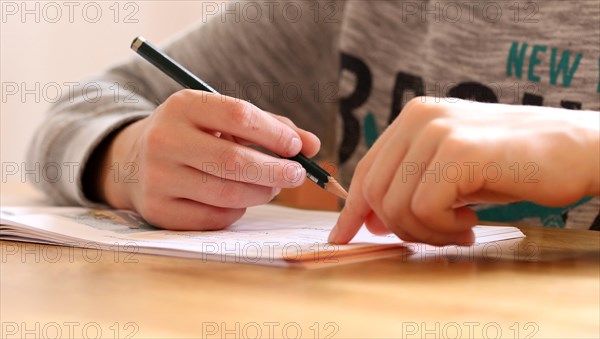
<point>193,167</point>
<point>442,154</point>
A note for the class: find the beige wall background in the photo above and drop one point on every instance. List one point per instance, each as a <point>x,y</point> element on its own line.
<point>44,44</point>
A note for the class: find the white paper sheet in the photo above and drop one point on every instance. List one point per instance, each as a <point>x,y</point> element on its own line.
<point>268,235</point>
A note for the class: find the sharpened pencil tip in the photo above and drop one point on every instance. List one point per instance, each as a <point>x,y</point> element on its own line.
<point>334,187</point>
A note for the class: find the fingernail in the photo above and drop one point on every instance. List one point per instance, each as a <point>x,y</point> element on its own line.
<point>333,234</point>
<point>295,146</point>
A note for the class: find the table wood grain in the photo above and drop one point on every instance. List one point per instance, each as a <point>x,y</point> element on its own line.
<point>546,286</point>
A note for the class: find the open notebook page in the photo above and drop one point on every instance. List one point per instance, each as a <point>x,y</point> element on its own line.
<point>268,234</point>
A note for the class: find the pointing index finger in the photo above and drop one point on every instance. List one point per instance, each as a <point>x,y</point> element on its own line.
<point>353,214</point>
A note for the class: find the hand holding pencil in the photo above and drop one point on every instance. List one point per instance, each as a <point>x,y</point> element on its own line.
<point>188,80</point>
<point>189,177</point>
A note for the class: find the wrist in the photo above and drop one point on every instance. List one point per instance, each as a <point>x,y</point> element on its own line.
<point>586,127</point>
<point>116,176</point>
<point>589,126</point>
<point>94,174</point>
<point>593,129</point>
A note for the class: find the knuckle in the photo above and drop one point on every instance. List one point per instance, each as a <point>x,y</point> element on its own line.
<point>422,210</point>
<point>414,102</point>
<point>436,128</point>
<point>179,99</point>
<point>243,114</point>
<point>155,138</point>
<point>422,107</point>
<point>231,194</point>
<point>441,124</point>
<point>232,158</point>
<point>419,105</point>
<point>371,192</point>
<point>282,137</point>
<point>286,121</point>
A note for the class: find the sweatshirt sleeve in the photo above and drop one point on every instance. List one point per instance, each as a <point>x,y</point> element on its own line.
<point>281,56</point>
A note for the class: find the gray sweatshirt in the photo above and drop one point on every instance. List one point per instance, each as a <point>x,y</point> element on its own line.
<point>345,69</point>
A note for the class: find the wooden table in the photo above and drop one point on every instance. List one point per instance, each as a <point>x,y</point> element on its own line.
<point>549,288</point>
<point>546,286</point>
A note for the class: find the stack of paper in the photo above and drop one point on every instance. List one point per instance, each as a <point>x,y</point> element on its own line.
<point>268,235</point>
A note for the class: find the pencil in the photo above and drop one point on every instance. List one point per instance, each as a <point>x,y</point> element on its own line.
<point>188,80</point>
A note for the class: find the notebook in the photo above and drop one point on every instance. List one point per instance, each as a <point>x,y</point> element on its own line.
<point>265,235</point>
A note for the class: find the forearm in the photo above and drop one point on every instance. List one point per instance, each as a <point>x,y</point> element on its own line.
<point>584,127</point>
<point>72,131</point>
<point>225,54</point>
<point>587,125</point>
